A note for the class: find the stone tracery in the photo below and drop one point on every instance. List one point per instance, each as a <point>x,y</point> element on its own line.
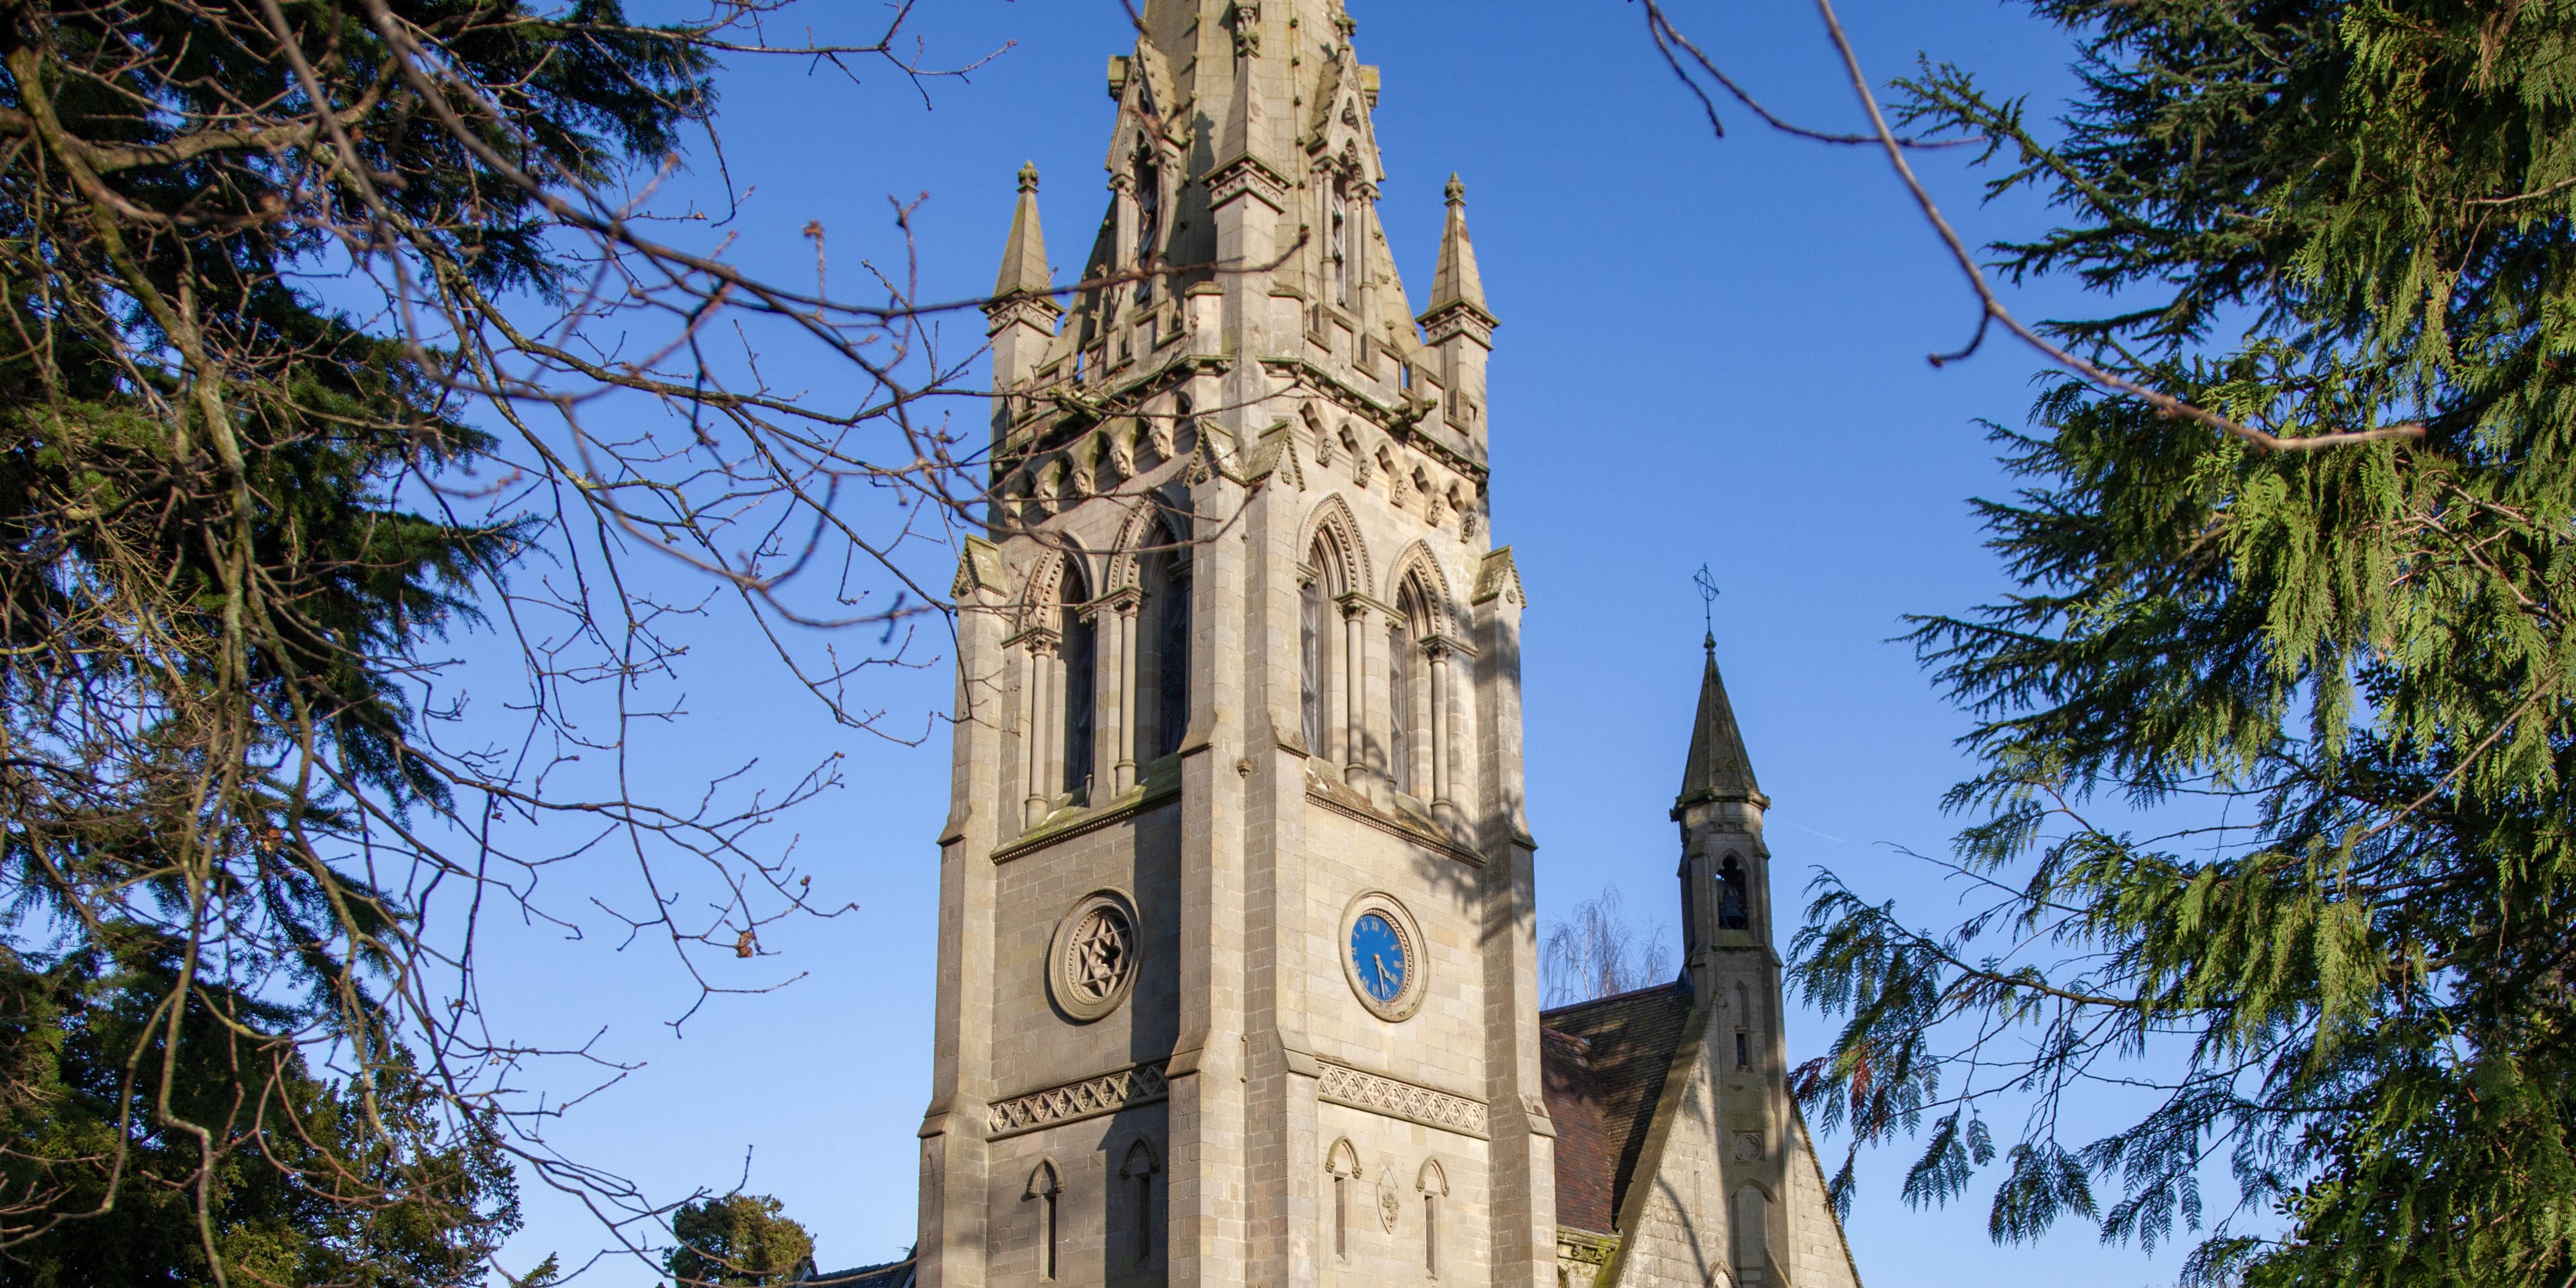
<point>1102,949</point>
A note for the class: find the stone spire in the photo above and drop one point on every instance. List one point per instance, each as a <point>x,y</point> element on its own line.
<point>1024,259</point>
<point>1717,768</point>
<point>1244,144</point>
<point>1457,284</point>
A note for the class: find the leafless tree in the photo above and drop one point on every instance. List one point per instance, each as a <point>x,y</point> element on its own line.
<point>1700,74</point>
<point>333,326</point>
<point>1595,951</point>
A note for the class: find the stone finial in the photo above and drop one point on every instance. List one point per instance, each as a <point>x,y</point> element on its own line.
<point>1245,17</point>
<point>1029,177</point>
<point>1454,191</point>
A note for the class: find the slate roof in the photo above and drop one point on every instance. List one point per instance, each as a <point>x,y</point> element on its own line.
<point>893,1274</point>
<point>1602,1066</point>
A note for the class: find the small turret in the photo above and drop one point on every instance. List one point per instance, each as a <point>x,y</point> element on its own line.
<point>1725,868</point>
<point>1460,329</point>
<point>1022,315</point>
<point>1249,191</point>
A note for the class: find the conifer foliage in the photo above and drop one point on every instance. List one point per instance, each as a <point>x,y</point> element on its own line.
<point>2350,671</point>
<point>736,1241</point>
<point>314,1180</point>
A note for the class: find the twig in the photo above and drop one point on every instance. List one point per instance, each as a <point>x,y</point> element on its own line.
<point>1991,310</point>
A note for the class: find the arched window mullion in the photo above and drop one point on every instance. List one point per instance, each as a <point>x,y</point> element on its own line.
<point>1341,223</point>
<point>1314,647</point>
<point>1401,724</point>
<point>1079,671</point>
<point>1170,604</point>
<point>1046,1186</point>
<point>1434,1185</point>
<point>1139,1170</point>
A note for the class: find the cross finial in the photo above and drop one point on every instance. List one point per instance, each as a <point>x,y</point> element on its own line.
<point>1028,176</point>
<point>1707,606</point>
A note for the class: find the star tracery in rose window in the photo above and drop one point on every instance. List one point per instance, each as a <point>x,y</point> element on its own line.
<point>1098,954</point>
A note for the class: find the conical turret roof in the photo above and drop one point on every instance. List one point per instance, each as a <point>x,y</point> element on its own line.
<point>1024,258</point>
<point>1716,767</point>
<point>1456,282</point>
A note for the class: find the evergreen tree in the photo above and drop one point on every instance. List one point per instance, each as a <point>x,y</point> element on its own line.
<point>272,274</point>
<point>2350,668</point>
<point>305,1180</point>
<point>221,552</point>
<point>736,1241</point>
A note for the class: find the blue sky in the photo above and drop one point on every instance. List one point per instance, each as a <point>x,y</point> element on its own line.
<point>1712,352</point>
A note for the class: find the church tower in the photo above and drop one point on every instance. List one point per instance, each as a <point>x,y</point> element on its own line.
<point>1237,960</point>
<point>1238,977</point>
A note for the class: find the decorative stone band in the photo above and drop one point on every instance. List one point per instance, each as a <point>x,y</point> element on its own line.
<point>1088,1098</point>
<point>1342,1085</point>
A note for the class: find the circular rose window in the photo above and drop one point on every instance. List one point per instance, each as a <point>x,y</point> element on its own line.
<point>1092,962</point>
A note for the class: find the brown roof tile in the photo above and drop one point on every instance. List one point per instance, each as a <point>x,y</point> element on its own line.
<point>1602,1065</point>
<point>1584,1160</point>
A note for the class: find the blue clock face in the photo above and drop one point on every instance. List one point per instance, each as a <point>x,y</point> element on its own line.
<point>1377,953</point>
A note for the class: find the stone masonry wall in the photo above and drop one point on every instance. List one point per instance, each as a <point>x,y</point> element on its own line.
<point>1823,1260</point>
<point>1096,1207</point>
<point>1033,1046</point>
<point>1674,1218</point>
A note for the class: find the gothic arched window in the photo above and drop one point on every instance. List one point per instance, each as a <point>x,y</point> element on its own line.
<point>1314,639</point>
<point>1081,661</point>
<point>1046,1187</point>
<point>1400,668</point>
<point>1139,1172</point>
<point>1343,1164</point>
<point>1733,900</point>
<point>1170,604</point>
<point>1434,1185</point>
